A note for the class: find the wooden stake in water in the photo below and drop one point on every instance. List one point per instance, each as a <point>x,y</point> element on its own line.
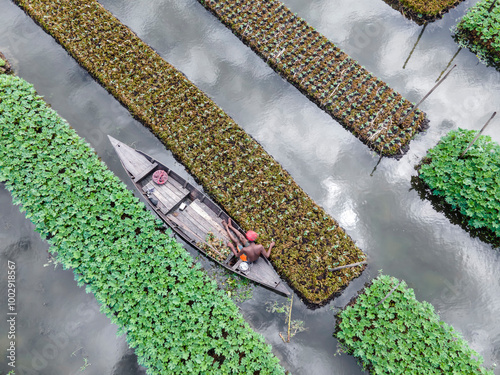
<point>415,46</point>
<point>478,134</point>
<point>374,169</point>
<point>447,66</point>
<point>426,96</point>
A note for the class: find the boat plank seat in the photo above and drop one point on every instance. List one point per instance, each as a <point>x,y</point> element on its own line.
<point>167,198</point>
<point>139,176</point>
<point>194,231</point>
<point>176,188</point>
<point>208,215</point>
<point>200,216</point>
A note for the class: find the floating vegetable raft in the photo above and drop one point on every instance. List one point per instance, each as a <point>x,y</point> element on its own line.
<point>234,169</point>
<point>5,67</point>
<point>362,103</point>
<point>393,333</point>
<point>423,11</point>
<point>479,30</point>
<point>146,283</point>
<point>470,184</point>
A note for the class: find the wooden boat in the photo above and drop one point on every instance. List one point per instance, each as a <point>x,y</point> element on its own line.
<point>191,214</point>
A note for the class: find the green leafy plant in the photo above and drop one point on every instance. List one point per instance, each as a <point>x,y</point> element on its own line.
<point>470,184</point>
<point>391,332</point>
<point>479,30</point>
<point>175,317</point>
<point>2,62</point>
<point>231,165</point>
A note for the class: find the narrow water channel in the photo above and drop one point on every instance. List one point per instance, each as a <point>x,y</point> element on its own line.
<point>59,325</point>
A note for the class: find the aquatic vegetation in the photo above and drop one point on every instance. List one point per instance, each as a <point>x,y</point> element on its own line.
<point>215,247</point>
<point>4,65</point>
<point>175,317</point>
<point>393,333</point>
<point>479,30</point>
<point>362,103</point>
<point>423,11</point>
<point>230,165</point>
<point>470,184</point>
<point>294,326</point>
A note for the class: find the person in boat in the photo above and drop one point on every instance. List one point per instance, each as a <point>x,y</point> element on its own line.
<point>248,250</point>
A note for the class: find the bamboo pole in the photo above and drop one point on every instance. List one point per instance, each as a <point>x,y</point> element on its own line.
<point>290,318</point>
<point>413,49</point>
<point>374,169</point>
<point>426,96</point>
<point>477,136</point>
<point>347,266</point>
<point>388,294</point>
<point>447,66</point>
<point>492,6</point>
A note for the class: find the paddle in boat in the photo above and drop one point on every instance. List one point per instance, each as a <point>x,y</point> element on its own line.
<point>191,214</point>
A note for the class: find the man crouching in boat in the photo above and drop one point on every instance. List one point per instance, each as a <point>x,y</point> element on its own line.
<point>248,250</point>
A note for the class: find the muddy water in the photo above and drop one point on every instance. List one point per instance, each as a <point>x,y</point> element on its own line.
<point>402,235</point>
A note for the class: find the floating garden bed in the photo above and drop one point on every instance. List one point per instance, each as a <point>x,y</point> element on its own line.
<point>423,11</point>
<point>173,314</point>
<point>469,184</point>
<point>5,67</point>
<point>230,165</point>
<point>479,31</point>
<point>393,333</point>
<point>362,103</point>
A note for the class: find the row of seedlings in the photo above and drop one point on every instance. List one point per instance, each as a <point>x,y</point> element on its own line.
<point>423,11</point>
<point>174,316</point>
<point>391,332</point>
<point>470,183</point>
<point>479,31</point>
<point>362,103</point>
<point>230,165</point>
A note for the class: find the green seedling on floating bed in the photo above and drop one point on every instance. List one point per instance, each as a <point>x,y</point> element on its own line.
<point>479,30</point>
<point>329,80</point>
<point>389,330</point>
<point>470,184</point>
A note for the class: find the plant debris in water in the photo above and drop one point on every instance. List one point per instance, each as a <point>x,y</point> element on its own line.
<point>402,335</point>
<point>215,247</point>
<point>479,30</point>
<point>175,317</point>
<point>470,183</point>
<point>362,103</point>
<point>230,165</point>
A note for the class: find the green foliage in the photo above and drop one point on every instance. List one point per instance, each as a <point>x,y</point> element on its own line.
<point>402,335</point>
<point>479,30</point>
<point>363,104</point>
<point>2,62</point>
<point>470,184</point>
<point>174,316</point>
<point>230,165</point>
